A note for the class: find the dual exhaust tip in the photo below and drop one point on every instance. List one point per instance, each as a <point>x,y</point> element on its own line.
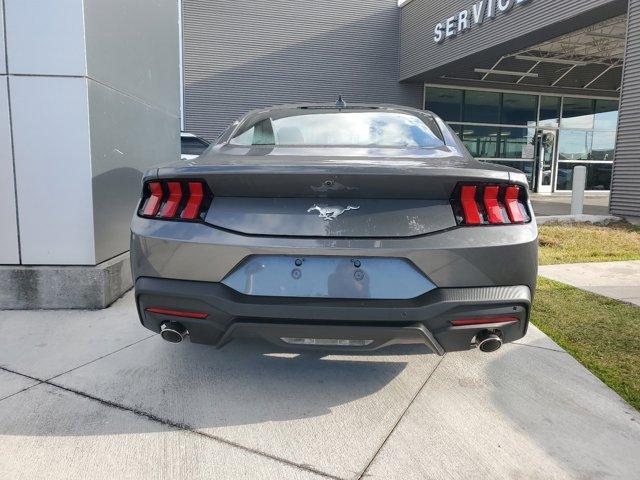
<point>488,342</point>
<point>173,332</point>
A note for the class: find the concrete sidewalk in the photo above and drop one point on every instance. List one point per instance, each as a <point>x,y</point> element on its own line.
<point>617,280</point>
<point>94,395</point>
<point>560,204</point>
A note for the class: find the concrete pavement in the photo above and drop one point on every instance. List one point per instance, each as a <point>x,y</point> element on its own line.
<point>560,204</point>
<point>94,395</point>
<point>617,280</point>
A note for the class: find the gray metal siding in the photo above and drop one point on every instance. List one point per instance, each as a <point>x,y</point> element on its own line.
<point>245,54</point>
<point>523,26</point>
<point>625,190</point>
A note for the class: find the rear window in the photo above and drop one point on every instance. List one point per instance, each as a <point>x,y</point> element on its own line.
<point>343,129</point>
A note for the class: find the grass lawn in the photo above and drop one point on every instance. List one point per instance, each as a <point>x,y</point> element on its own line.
<point>588,243</point>
<point>603,334</point>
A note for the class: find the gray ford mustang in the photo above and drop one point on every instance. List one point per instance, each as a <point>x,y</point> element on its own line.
<point>341,227</point>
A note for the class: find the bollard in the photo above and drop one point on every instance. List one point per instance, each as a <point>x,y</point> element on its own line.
<point>577,194</point>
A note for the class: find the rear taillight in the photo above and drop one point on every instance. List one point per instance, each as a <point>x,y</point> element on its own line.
<point>490,204</point>
<point>175,200</point>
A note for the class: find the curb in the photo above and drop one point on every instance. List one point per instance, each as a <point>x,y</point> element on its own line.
<point>568,219</point>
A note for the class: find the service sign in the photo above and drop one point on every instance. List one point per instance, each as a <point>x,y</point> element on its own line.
<point>476,15</point>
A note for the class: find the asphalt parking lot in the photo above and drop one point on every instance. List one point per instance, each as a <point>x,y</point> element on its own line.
<point>94,395</point>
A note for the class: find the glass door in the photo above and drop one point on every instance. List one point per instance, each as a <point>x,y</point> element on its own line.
<point>545,159</point>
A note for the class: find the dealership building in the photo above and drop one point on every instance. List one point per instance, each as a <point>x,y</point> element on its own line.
<point>94,92</point>
<point>533,84</point>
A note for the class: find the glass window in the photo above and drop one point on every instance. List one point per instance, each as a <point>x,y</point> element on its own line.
<point>481,107</point>
<point>192,145</point>
<point>604,144</point>
<point>550,111</point>
<point>340,128</point>
<point>575,145</point>
<point>482,142</point>
<point>445,102</point>
<point>598,175</point>
<point>578,113</point>
<point>458,129</point>
<point>261,133</point>
<point>518,109</point>
<point>517,142</point>
<point>526,167</point>
<point>606,115</point>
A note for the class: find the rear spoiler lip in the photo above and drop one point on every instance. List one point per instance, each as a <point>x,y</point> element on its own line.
<point>337,181</point>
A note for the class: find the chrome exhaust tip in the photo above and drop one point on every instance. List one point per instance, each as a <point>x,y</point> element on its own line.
<point>173,332</point>
<point>488,342</point>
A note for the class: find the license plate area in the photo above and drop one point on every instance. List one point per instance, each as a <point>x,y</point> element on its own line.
<point>328,277</point>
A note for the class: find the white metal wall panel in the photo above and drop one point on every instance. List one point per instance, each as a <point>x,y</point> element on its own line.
<point>9,253</point>
<point>625,190</point>
<point>45,37</point>
<point>3,59</point>
<point>53,170</point>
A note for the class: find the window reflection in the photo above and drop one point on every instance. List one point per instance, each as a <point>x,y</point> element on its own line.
<point>585,130</point>
<point>598,175</point>
<point>482,142</point>
<point>518,109</point>
<point>517,142</point>
<point>357,128</point>
<point>578,113</point>
<point>445,102</point>
<point>550,111</point>
<point>606,117</point>
<point>575,145</point>
<point>604,144</point>
<point>481,107</point>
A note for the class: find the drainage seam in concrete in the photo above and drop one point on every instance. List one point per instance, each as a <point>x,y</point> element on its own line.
<point>19,391</point>
<point>171,423</point>
<point>65,372</point>
<point>404,412</point>
<point>101,357</point>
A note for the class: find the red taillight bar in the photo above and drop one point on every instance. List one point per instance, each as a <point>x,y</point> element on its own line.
<point>494,204</point>
<point>174,199</point>
<point>196,197</point>
<point>502,320</point>
<point>153,202</point>
<point>469,205</point>
<point>170,207</point>
<point>491,204</point>
<point>511,200</point>
<point>176,313</point>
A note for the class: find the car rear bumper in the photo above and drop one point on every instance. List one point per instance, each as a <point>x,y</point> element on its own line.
<point>462,257</point>
<point>424,320</point>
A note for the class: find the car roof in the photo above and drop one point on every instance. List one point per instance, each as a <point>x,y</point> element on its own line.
<point>293,107</point>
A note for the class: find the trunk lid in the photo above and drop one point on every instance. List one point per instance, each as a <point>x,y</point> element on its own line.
<point>333,192</point>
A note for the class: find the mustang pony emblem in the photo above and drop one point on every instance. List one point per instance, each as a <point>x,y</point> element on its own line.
<point>330,213</point>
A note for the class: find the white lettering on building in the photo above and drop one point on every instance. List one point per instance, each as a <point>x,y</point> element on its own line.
<point>474,15</point>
